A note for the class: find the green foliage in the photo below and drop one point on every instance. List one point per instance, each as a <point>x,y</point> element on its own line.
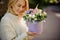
<point>41,3</point>
<point>36,17</point>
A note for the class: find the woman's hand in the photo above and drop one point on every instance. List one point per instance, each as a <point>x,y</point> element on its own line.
<point>32,33</point>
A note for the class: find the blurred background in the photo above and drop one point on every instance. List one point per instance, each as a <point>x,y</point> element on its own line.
<point>51,28</point>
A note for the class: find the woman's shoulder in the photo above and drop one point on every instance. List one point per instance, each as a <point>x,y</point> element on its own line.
<point>5,17</point>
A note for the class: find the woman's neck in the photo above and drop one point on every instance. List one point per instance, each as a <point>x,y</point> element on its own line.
<point>20,15</point>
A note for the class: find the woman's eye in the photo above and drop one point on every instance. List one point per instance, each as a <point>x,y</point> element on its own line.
<point>23,6</point>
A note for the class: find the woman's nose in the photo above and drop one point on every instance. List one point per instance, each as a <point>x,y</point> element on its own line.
<point>21,8</point>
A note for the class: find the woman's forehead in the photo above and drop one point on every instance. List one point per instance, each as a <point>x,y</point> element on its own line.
<point>21,1</point>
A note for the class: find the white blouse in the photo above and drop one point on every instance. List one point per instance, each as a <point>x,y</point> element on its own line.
<point>12,28</point>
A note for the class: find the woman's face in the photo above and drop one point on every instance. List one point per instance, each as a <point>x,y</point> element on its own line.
<point>19,7</point>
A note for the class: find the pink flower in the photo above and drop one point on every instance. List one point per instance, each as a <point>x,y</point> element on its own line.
<point>34,11</point>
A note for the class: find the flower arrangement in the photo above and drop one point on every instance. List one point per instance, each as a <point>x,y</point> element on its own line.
<point>35,15</point>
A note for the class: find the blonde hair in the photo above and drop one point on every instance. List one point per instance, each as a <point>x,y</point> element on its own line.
<point>13,2</point>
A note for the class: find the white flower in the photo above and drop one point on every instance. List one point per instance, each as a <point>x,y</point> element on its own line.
<point>45,13</point>
<point>33,16</point>
<point>30,15</point>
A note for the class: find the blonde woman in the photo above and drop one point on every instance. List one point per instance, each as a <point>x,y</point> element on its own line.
<point>13,26</point>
